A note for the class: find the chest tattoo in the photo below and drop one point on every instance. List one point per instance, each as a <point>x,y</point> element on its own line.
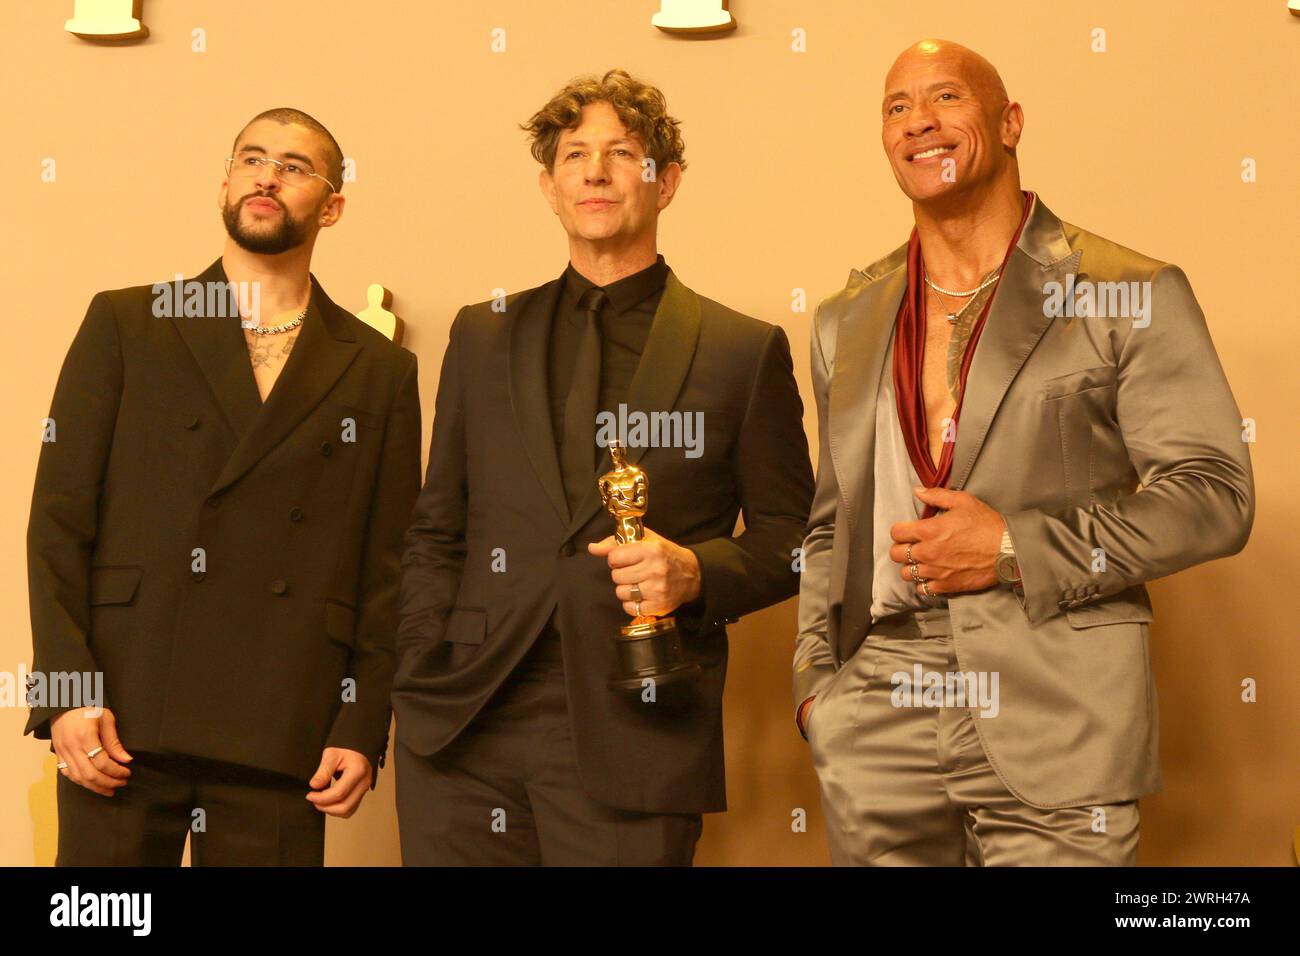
<point>267,351</point>
<point>961,332</point>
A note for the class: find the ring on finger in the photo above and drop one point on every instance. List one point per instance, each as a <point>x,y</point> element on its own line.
<point>925,589</point>
<point>915,570</point>
<point>92,754</point>
<point>63,765</point>
<point>909,553</point>
<point>636,592</point>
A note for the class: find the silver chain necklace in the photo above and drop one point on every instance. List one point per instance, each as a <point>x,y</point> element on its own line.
<point>954,316</point>
<point>276,329</point>
<point>992,277</point>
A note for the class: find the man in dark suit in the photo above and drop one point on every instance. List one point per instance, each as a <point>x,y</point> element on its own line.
<point>216,528</point>
<point>512,748</point>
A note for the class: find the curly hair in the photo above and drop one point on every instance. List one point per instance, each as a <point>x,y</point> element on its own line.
<point>641,107</point>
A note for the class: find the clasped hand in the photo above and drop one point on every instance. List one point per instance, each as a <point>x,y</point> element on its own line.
<point>954,551</point>
<point>667,574</point>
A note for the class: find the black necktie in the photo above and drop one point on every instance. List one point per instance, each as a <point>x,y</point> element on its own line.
<point>578,450</point>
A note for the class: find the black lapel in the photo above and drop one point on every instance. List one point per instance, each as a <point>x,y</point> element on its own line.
<point>324,349</point>
<point>667,358</point>
<point>221,353</point>
<point>530,331</point>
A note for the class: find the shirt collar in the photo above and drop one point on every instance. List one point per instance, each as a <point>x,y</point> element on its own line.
<point>627,292</point>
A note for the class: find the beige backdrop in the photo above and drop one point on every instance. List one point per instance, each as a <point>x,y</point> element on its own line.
<point>787,189</point>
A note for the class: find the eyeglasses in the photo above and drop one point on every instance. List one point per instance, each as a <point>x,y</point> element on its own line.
<point>291,174</point>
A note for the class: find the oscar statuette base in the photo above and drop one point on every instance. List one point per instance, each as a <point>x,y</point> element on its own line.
<point>651,650</point>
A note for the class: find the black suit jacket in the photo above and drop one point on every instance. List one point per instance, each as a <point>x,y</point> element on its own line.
<point>164,447</point>
<point>494,482</point>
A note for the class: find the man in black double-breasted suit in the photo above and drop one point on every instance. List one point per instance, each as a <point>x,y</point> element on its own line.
<point>512,747</point>
<point>216,530</point>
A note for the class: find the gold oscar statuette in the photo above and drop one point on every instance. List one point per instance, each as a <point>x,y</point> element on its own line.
<point>650,648</point>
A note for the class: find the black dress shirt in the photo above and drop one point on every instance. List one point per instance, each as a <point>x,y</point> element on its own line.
<point>624,325</point>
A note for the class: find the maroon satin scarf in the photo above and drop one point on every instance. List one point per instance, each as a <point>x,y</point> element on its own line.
<point>909,358</point>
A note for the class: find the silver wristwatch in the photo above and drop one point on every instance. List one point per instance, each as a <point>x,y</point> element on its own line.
<point>1006,568</point>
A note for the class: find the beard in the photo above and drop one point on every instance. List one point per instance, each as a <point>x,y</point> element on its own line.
<point>287,234</point>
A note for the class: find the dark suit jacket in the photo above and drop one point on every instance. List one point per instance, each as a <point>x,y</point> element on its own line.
<point>163,447</point>
<point>494,482</point>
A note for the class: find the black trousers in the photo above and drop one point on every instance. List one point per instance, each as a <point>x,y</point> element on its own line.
<point>506,791</point>
<point>235,816</point>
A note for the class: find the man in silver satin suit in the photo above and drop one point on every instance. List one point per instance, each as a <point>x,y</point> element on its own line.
<point>971,670</point>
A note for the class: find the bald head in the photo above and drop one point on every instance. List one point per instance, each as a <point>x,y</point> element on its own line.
<point>948,127</point>
<point>944,56</point>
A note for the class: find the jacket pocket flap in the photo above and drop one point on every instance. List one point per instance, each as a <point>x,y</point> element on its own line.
<point>1063,385</point>
<point>467,625</point>
<point>110,585</point>
<point>360,415</point>
<point>340,623</point>
<point>1110,612</point>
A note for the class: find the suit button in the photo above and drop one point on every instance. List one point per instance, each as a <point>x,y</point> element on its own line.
<point>568,550</point>
<point>279,587</point>
<point>193,422</point>
<point>198,575</point>
<point>214,501</point>
<point>295,514</point>
<point>326,449</point>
